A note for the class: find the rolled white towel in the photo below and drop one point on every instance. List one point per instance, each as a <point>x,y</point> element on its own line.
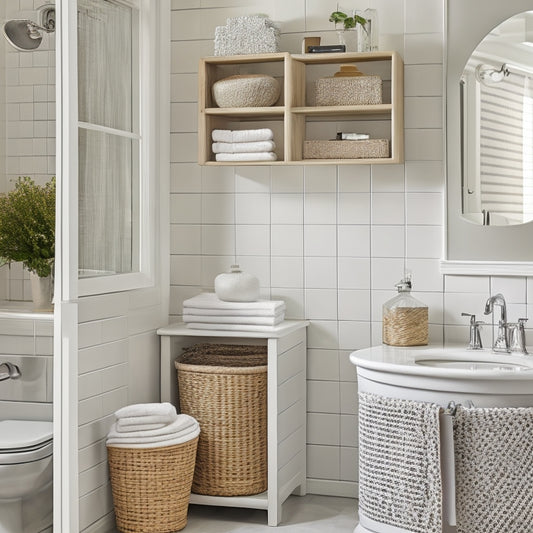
<point>242,136</point>
<point>214,319</point>
<point>152,440</point>
<point>231,148</point>
<point>180,439</point>
<point>209,300</point>
<point>247,156</point>
<point>164,410</point>
<point>121,428</point>
<point>182,423</point>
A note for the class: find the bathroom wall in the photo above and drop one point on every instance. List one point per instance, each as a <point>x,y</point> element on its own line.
<point>28,134</point>
<point>26,339</point>
<point>331,241</point>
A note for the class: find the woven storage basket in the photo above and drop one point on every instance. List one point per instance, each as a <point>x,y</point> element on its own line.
<point>246,90</point>
<point>367,149</point>
<point>348,90</point>
<point>225,388</point>
<point>152,486</point>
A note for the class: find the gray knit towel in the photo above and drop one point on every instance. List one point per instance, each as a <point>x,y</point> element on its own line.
<point>399,463</point>
<point>494,469</point>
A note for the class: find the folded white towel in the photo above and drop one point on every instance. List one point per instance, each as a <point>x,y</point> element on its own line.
<point>166,411</point>
<point>117,443</point>
<point>231,148</point>
<point>214,319</point>
<point>233,312</point>
<point>133,426</point>
<point>229,327</point>
<point>151,440</point>
<point>209,300</point>
<point>242,136</point>
<point>251,156</point>
<point>182,424</point>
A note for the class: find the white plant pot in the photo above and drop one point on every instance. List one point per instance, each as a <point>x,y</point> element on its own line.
<point>41,291</point>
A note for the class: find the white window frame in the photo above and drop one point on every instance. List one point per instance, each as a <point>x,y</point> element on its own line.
<point>145,224</point>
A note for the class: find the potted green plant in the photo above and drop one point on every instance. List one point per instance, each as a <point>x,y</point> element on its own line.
<point>27,233</point>
<point>348,34</point>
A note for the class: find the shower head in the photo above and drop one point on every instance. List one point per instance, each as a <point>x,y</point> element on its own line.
<point>26,35</point>
<point>488,75</point>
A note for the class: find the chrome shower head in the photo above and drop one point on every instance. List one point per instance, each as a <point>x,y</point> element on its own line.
<point>26,35</point>
<point>488,75</point>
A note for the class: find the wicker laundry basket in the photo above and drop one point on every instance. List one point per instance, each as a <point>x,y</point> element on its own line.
<point>224,387</point>
<point>152,486</point>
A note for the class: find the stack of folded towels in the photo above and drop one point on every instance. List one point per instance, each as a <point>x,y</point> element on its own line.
<point>244,145</point>
<point>151,425</point>
<point>207,311</point>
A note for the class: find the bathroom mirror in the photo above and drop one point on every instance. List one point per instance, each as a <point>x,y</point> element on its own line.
<point>485,52</point>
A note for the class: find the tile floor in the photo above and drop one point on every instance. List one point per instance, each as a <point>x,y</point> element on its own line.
<point>307,514</point>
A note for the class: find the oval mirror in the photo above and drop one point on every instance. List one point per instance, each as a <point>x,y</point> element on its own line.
<point>496,99</point>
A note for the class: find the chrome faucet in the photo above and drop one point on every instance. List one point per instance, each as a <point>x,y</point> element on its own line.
<point>11,371</point>
<point>501,343</point>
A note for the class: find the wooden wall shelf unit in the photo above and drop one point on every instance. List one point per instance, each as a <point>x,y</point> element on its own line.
<point>295,118</point>
<point>286,406</point>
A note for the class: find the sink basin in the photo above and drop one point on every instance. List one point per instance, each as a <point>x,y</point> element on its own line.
<point>474,365</point>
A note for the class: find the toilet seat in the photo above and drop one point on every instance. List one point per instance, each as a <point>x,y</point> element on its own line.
<point>25,441</point>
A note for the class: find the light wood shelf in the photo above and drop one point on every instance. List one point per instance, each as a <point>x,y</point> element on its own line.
<point>294,118</point>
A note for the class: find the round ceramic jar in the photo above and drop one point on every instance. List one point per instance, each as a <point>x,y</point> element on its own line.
<point>237,286</point>
<point>249,90</point>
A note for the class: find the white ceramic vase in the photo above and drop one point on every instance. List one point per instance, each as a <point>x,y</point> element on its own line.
<point>41,291</point>
<point>237,286</point>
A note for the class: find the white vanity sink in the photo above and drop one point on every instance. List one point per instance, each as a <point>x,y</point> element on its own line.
<point>445,377</point>
<point>432,370</point>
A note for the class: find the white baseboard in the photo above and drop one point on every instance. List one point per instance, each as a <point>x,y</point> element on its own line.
<point>326,487</point>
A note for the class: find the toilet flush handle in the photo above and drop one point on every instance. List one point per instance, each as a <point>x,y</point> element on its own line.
<point>11,371</point>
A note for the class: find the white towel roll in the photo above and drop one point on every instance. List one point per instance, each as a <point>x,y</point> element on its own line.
<point>180,439</point>
<point>209,300</point>
<point>182,423</point>
<point>164,410</point>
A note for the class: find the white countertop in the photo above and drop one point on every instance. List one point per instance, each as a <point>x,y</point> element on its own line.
<point>445,362</point>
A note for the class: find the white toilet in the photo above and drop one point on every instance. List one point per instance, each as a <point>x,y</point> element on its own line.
<point>26,473</point>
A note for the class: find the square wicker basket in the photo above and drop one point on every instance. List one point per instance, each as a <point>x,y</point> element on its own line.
<point>367,149</point>
<point>348,90</point>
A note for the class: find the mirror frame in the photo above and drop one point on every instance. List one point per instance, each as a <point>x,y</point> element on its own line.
<point>470,248</point>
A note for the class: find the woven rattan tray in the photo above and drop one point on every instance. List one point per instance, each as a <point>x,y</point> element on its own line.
<point>367,149</point>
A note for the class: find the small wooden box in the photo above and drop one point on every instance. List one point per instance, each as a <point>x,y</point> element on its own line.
<point>348,90</point>
<point>367,149</point>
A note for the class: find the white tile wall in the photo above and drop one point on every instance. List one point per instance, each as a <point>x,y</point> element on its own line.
<point>27,119</point>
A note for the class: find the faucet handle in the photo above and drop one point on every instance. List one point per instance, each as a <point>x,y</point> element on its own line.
<point>473,321</point>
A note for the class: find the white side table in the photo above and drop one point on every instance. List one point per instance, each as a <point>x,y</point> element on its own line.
<point>286,405</point>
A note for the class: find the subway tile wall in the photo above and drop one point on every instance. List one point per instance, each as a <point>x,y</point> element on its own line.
<point>27,116</point>
<point>331,241</point>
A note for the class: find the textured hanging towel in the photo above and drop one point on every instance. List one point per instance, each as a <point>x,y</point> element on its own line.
<point>399,463</point>
<point>494,469</point>
<point>242,136</point>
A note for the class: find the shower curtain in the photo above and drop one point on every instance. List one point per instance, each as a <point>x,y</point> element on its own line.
<point>108,140</point>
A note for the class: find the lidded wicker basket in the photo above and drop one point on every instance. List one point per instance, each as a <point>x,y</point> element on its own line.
<point>246,90</point>
<point>152,486</point>
<point>224,387</point>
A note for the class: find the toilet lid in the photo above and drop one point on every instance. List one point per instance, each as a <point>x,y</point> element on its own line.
<point>21,434</point>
